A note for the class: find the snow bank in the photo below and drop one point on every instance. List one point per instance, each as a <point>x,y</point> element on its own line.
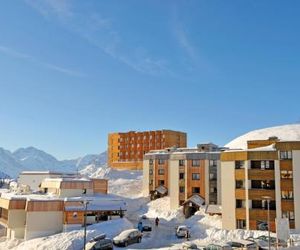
<point>285,133</point>
<point>70,240</point>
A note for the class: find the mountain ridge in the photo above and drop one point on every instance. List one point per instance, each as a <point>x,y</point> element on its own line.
<point>31,158</point>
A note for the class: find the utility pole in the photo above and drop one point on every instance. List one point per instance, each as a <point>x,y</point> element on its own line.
<point>85,203</point>
<point>268,198</point>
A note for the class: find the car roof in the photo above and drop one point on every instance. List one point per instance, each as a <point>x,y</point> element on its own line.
<point>128,231</point>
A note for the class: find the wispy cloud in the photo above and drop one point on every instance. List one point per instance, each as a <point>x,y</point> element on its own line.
<point>19,55</point>
<point>100,32</point>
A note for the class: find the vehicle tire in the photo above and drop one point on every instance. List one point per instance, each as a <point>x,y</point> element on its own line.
<point>139,240</point>
<point>125,243</point>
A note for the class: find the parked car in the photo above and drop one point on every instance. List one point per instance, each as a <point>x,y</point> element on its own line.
<point>100,243</point>
<point>128,237</point>
<point>181,231</point>
<point>263,226</point>
<point>220,246</point>
<point>189,245</point>
<point>263,241</point>
<point>245,244</point>
<point>147,224</point>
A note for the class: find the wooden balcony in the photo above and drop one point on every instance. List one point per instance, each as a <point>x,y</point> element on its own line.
<point>260,174</point>
<point>286,184</point>
<point>240,194</point>
<point>287,205</point>
<point>240,213</point>
<point>240,174</point>
<point>286,165</point>
<point>261,214</point>
<point>258,194</point>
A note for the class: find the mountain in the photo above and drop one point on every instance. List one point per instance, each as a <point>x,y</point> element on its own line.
<point>290,132</point>
<point>31,158</point>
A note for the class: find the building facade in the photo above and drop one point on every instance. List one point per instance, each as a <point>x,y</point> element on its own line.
<point>267,172</point>
<point>126,150</point>
<point>184,172</point>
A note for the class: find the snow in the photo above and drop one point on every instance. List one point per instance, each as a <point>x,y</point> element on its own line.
<point>289,132</point>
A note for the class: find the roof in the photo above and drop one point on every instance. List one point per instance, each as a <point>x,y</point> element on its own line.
<point>196,199</point>
<point>213,209</point>
<point>161,190</point>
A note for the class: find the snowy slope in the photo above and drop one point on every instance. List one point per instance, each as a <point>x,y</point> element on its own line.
<point>285,132</point>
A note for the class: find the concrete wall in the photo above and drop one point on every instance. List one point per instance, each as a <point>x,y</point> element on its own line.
<point>206,181</point>
<point>228,195</point>
<point>74,192</point>
<point>16,223</point>
<point>40,224</point>
<point>146,178</point>
<point>33,180</point>
<point>277,188</point>
<point>219,183</point>
<point>296,179</point>
<point>174,183</point>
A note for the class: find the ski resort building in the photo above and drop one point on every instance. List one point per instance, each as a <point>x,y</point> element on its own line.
<point>190,176</point>
<point>268,171</point>
<point>126,150</point>
<point>58,206</point>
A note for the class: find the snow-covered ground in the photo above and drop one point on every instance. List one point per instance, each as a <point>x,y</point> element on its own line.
<point>128,185</point>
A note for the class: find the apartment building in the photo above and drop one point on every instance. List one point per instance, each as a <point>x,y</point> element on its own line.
<point>189,175</point>
<point>268,171</point>
<point>58,207</point>
<point>126,150</point>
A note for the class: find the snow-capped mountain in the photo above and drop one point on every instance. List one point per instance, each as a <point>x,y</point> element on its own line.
<point>288,132</point>
<point>34,159</point>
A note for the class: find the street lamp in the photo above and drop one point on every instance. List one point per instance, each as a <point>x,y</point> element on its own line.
<point>84,203</point>
<point>268,199</point>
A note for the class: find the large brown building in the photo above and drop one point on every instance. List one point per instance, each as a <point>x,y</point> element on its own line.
<point>266,172</point>
<point>126,150</point>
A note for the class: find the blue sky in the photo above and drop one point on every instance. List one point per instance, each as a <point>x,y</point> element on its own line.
<point>73,71</point>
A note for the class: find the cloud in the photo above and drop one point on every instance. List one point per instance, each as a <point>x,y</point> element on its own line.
<point>100,32</point>
<point>16,54</point>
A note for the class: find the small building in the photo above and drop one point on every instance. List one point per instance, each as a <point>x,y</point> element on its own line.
<point>58,207</point>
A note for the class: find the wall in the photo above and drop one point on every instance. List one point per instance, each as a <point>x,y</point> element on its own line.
<point>40,224</point>
<point>34,180</point>
<point>174,183</point>
<point>146,178</point>
<point>74,192</point>
<point>228,195</point>
<point>296,176</point>
<point>16,223</point>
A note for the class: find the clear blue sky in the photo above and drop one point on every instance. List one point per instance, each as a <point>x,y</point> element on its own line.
<point>73,71</point>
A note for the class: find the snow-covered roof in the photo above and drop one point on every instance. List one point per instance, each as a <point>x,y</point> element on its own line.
<point>266,148</point>
<point>289,132</point>
<point>100,205</point>
<point>213,209</point>
<point>196,199</point>
<point>161,190</point>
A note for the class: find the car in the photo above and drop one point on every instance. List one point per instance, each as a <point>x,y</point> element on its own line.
<point>147,225</point>
<point>181,231</point>
<point>245,244</point>
<point>263,226</point>
<point>189,245</point>
<point>263,241</point>
<point>100,243</point>
<point>220,246</point>
<point>128,237</point>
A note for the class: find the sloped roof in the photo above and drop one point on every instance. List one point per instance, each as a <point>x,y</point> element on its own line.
<point>196,199</point>
<point>161,190</point>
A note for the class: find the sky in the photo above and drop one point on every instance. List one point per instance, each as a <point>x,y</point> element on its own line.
<point>73,71</point>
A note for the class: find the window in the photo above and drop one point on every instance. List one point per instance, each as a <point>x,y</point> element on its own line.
<point>161,182</point>
<point>195,176</point>
<point>181,189</point>
<point>213,163</point>
<point>150,182</point>
<point>240,204</point>
<point>195,163</point>
<point>286,174</point>
<point>84,191</point>
<point>239,164</point>
<point>161,161</point>
<point>241,224</point>
<point>181,202</point>
<point>150,171</point>
<point>287,195</point>
<point>239,184</point>
<point>285,155</point>
<point>195,190</point>
<point>150,162</point>
<point>213,176</point>
<point>288,214</point>
<point>161,171</point>
<point>181,176</point>
<point>181,163</point>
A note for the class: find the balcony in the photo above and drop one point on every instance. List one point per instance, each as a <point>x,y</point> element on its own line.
<point>261,174</point>
<point>240,194</point>
<point>287,205</point>
<point>240,213</point>
<point>286,184</point>
<point>261,214</point>
<point>240,174</point>
<point>258,194</point>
